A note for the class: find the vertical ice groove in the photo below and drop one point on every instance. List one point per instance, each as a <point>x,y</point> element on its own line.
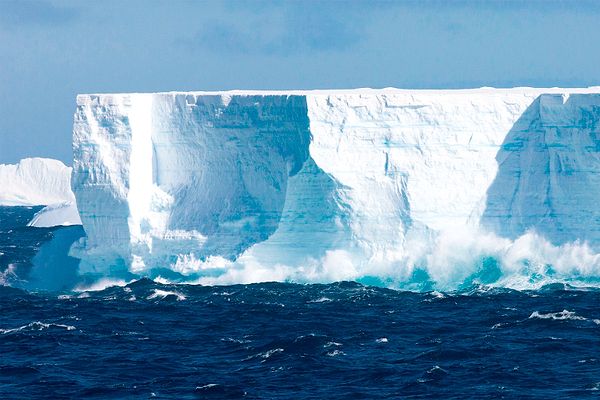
<point>104,151</point>
<point>437,153</point>
<point>288,177</point>
<point>140,192</point>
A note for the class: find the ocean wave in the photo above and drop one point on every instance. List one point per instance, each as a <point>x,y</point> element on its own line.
<point>101,284</point>
<point>562,316</point>
<point>453,261</point>
<point>458,260</point>
<point>335,353</point>
<point>36,326</point>
<point>164,294</point>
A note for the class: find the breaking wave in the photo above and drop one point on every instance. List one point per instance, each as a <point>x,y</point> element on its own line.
<point>36,326</point>
<point>452,261</point>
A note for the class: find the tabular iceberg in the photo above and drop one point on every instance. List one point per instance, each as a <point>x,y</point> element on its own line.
<point>338,184</point>
<point>35,182</point>
<point>40,182</point>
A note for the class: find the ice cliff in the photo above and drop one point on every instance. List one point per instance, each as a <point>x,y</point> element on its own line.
<point>335,184</point>
<point>40,182</point>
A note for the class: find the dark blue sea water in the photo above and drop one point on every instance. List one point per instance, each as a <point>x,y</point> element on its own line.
<point>289,341</point>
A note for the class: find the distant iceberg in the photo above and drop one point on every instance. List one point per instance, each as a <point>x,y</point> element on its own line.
<point>61,214</point>
<point>40,182</point>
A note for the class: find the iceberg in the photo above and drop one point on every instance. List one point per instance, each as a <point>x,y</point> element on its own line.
<point>334,184</point>
<point>40,182</point>
<point>61,214</point>
<point>35,182</point>
<point>38,258</point>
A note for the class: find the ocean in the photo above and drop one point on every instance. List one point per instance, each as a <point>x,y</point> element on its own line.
<point>273,340</point>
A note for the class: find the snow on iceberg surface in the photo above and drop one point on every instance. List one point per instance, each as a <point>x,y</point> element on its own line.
<point>40,182</point>
<point>35,182</point>
<point>359,179</point>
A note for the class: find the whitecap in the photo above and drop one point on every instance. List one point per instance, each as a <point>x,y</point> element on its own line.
<point>208,386</point>
<point>436,369</point>
<point>36,326</point>
<point>161,280</point>
<point>101,285</point>
<point>320,300</point>
<point>269,353</point>
<point>233,340</point>
<point>559,316</point>
<point>163,294</point>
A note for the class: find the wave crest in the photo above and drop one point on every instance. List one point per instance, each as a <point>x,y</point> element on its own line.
<point>453,260</point>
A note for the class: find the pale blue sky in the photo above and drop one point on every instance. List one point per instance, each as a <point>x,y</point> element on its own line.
<point>52,50</point>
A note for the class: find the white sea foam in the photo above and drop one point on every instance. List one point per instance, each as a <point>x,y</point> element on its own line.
<point>101,284</point>
<point>36,326</point>
<point>163,294</point>
<point>449,261</point>
<point>207,386</point>
<point>558,316</point>
<point>320,300</point>
<point>8,275</point>
<point>265,355</point>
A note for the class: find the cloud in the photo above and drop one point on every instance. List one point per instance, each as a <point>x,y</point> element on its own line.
<point>540,6</point>
<point>292,29</point>
<point>41,13</point>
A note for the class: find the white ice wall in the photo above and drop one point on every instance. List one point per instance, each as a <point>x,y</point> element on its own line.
<point>169,178</point>
<point>159,175</point>
<point>411,159</point>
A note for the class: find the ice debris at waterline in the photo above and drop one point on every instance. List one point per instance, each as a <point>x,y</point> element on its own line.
<point>409,188</point>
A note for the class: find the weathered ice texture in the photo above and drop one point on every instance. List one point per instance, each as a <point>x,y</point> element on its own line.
<point>179,180</point>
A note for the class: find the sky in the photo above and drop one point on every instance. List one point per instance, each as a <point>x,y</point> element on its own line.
<point>52,50</point>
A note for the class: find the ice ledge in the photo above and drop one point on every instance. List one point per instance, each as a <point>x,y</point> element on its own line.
<point>83,99</point>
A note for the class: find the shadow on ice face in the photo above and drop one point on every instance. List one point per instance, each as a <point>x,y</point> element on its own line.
<point>235,160</point>
<point>549,172</point>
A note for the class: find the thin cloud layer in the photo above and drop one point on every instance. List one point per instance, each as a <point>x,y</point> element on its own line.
<point>53,49</point>
<point>285,31</point>
<point>43,13</point>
